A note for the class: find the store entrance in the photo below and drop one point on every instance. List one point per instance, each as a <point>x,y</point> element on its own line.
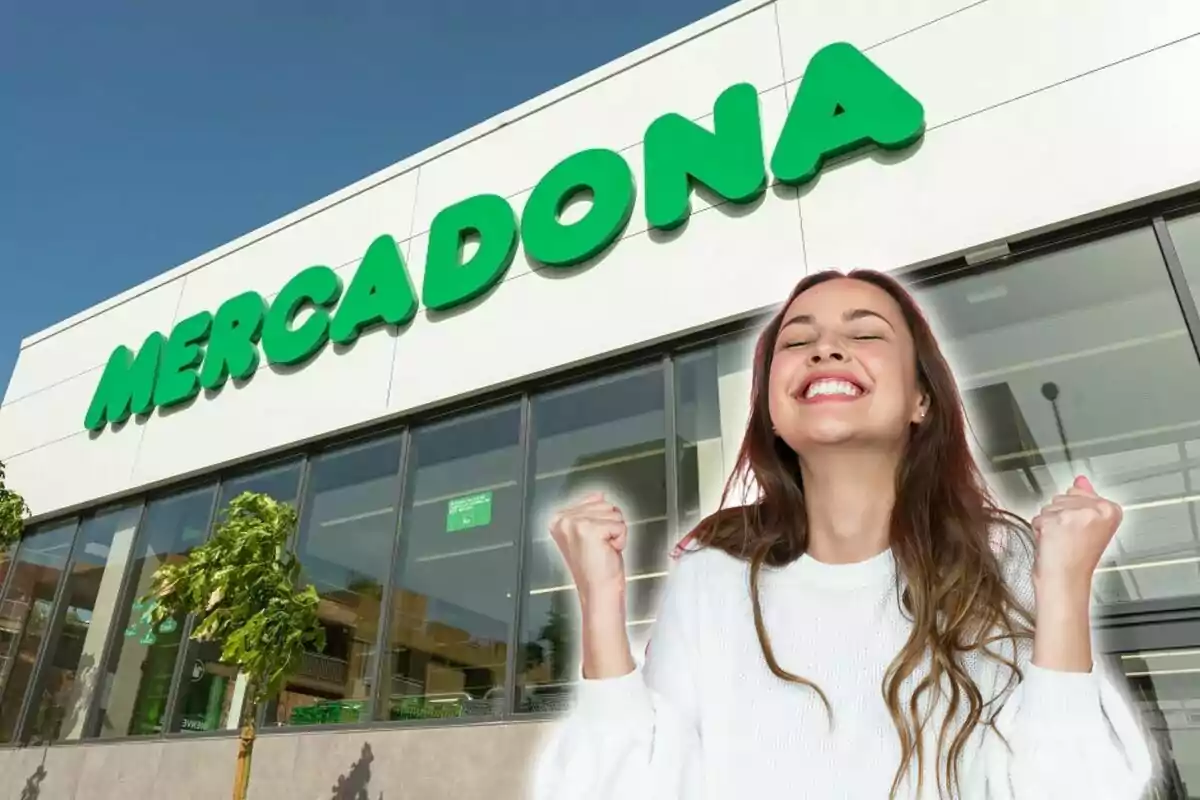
<point>1159,655</point>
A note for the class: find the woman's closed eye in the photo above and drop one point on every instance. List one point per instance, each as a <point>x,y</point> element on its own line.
<point>858,337</point>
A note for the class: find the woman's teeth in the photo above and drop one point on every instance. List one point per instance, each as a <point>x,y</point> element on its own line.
<point>834,387</point>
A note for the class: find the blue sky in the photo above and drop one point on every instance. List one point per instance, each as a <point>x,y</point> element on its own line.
<point>135,136</point>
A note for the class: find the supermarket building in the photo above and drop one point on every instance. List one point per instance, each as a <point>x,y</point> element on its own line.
<point>428,361</point>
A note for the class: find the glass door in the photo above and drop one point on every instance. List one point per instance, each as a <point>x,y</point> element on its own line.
<point>1160,661</point>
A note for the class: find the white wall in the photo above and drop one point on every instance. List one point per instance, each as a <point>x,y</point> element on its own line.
<point>433,764</point>
<point>1038,113</point>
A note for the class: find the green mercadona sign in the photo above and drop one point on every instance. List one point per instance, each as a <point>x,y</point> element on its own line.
<point>844,103</point>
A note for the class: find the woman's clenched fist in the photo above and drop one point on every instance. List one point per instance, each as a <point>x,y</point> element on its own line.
<point>1073,531</point>
<point>591,534</point>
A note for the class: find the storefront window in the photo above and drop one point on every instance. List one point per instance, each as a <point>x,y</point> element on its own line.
<point>70,669</point>
<point>453,603</point>
<point>603,436</point>
<point>345,550</point>
<point>143,662</point>
<point>25,614</point>
<point>6,559</point>
<point>1185,236</point>
<point>1165,687</point>
<point>712,405</point>
<point>1079,361</point>
<point>212,695</point>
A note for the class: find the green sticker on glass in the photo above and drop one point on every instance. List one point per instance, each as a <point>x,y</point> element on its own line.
<point>142,623</point>
<point>471,511</point>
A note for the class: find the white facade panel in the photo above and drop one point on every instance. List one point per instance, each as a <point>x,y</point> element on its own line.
<point>723,264</point>
<point>1037,114</point>
<point>1067,152</point>
<point>54,413</point>
<point>87,345</point>
<point>805,26</point>
<point>275,408</point>
<point>998,51</point>
<point>613,113</point>
<point>75,470</point>
<point>335,237</point>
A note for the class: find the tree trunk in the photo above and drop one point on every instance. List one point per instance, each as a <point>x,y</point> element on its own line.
<point>241,776</point>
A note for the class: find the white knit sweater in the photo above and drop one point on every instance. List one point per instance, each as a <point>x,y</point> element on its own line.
<point>704,718</point>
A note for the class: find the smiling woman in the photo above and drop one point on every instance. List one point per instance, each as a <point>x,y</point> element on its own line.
<point>873,548</point>
<point>825,355</point>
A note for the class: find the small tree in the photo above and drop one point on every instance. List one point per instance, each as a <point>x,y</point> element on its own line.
<point>13,512</point>
<point>242,585</point>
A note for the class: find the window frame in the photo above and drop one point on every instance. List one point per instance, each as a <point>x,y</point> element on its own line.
<point>665,364</point>
<point>58,614</point>
<point>303,508</point>
<point>112,636</point>
<point>523,405</point>
<point>76,524</point>
<point>125,597</point>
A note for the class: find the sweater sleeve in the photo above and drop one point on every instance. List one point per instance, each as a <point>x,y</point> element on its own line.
<point>1061,734</point>
<point>636,736</point>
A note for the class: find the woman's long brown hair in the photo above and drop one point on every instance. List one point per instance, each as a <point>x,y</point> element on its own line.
<point>949,573</point>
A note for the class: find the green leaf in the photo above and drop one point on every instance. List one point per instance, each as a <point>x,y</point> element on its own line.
<point>242,587</point>
<point>13,513</point>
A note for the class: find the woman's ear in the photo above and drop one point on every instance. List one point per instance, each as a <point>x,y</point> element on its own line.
<point>922,409</point>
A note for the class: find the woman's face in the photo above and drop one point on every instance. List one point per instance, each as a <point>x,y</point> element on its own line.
<point>844,369</point>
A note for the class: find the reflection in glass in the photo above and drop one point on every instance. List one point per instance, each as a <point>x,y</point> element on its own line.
<point>71,664</point>
<point>1165,688</point>
<point>712,405</point>
<point>606,436</point>
<point>1079,361</point>
<point>1185,236</point>
<point>345,549</point>
<point>143,662</point>
<point>212,695</point>
<point>25,614</point>
<point>452,607</point>
<point>6,558</point>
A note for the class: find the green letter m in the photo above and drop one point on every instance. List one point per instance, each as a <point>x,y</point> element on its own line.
<point>127,385</point>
